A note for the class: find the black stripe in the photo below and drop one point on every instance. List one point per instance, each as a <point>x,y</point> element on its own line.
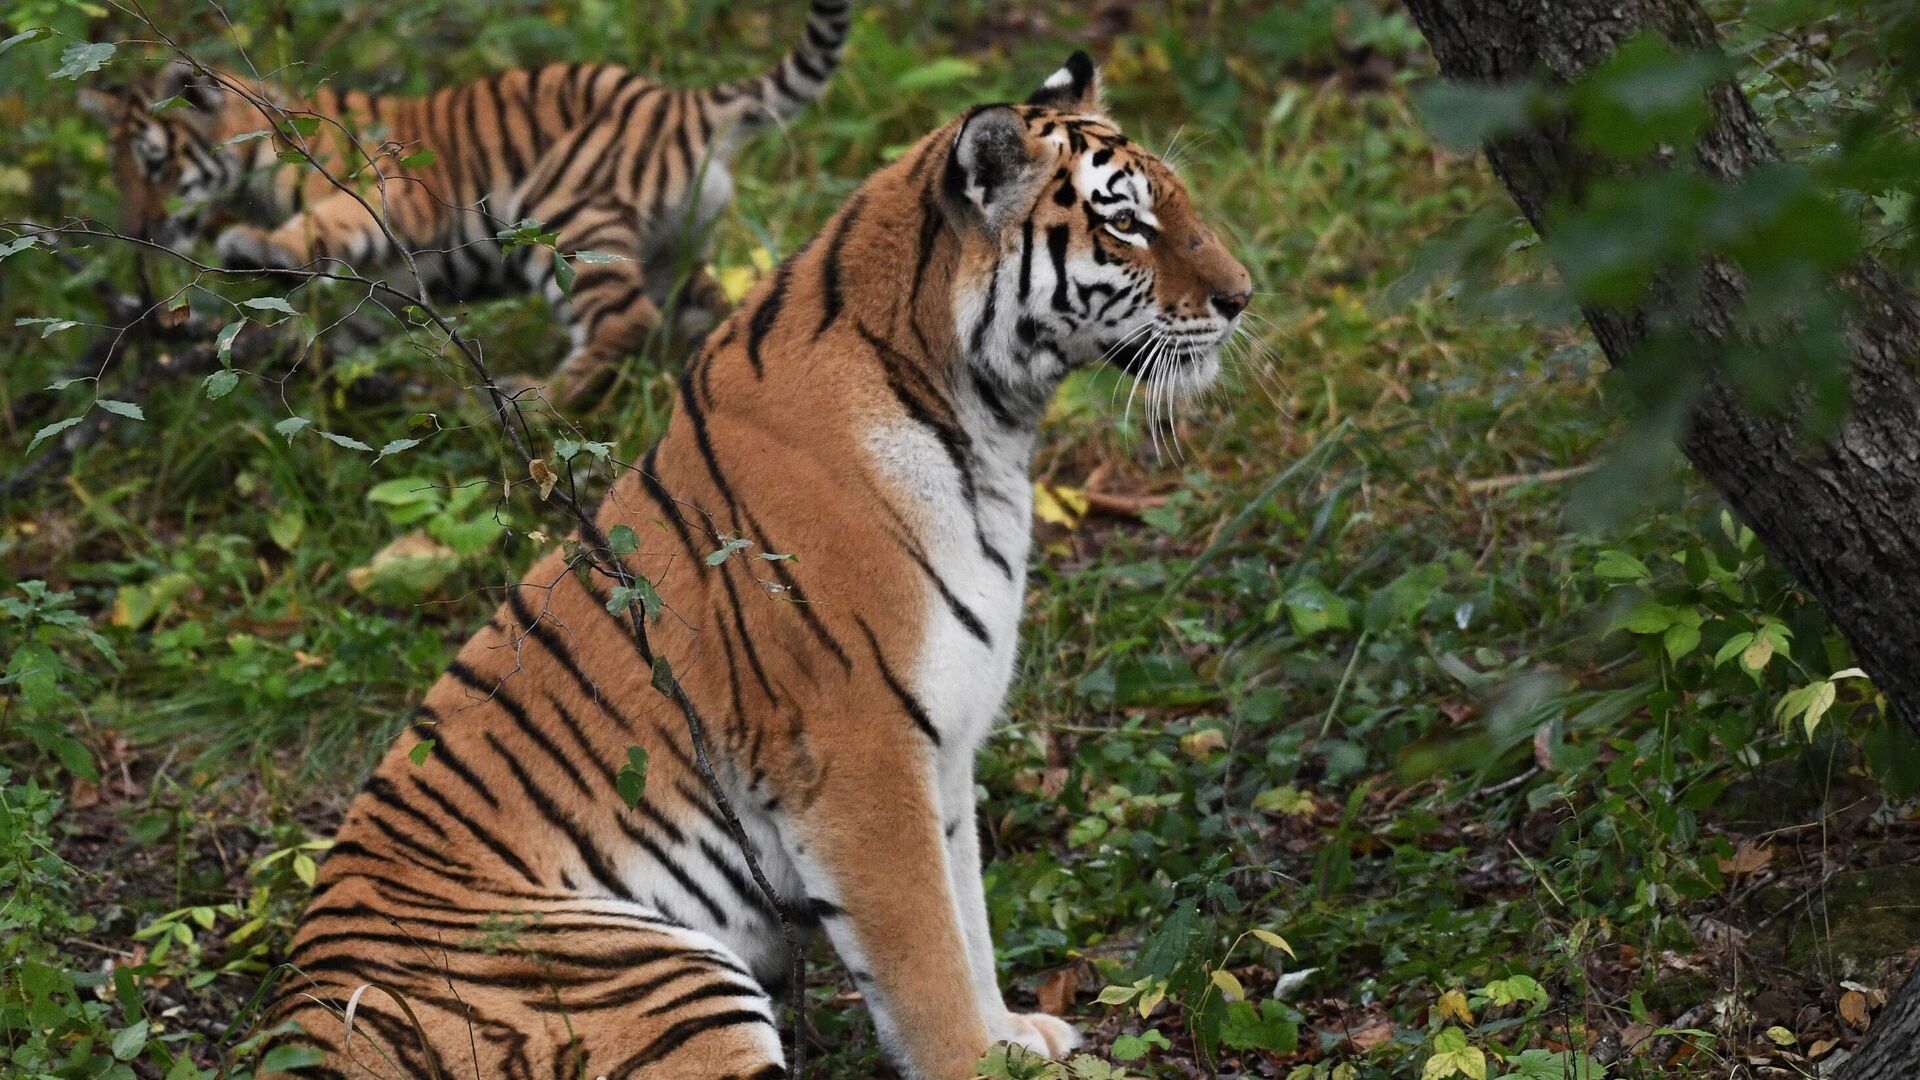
<point>674,870</point>
<point>960,611</point>
<point>764,315</point>
<point>1057,236</point>
<point>492,843</point>
<point>549,639</point>
<point>832,301</point>
<point>594,859</point>
<point>518,714</point>
<point>908,701</point>
<point>682,1033</point>
<point>383,792</point>
<point>988,313</point>
<point>1026,258</point>
<point>444,753</point>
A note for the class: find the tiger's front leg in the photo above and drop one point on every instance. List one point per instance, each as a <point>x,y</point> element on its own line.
<point>335,228</point>
<point>867,843</point>
<point>1039,1032</point>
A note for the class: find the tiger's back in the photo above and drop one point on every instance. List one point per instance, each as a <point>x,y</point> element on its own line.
<point>604,159</point>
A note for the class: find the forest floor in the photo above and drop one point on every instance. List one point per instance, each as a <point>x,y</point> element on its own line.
<point>1357,653</point>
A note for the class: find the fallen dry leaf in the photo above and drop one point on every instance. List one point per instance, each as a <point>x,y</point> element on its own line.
<point>1748,858</point>
<point>542,475</point>
<point>1853,1009</point>
<point>1057,990</point>
<point>1374,1034</point>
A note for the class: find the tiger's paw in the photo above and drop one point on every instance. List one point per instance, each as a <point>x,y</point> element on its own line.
<point>1042,1033</point>
<point>244,247</point>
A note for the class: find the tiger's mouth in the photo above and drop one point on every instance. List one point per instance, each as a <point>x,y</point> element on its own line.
<point>1157,347</point>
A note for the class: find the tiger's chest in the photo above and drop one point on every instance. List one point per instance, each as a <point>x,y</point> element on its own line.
<point>971,513</point>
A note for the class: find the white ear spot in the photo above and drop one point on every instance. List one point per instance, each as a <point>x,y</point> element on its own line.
<point>1059,80</point>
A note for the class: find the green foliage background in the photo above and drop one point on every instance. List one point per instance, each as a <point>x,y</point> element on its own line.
<point>1386,672</point>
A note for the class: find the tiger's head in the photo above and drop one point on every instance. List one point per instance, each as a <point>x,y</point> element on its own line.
<point>1080,246</point>
<point>171,157</point>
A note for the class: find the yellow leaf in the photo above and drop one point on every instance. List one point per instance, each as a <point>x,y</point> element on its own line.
<point>1275,940</point>
<point>1155,994</point>
<point>1781,1036</point>
<point>1229,985</point>
<point>1758,653</point>
<point>1057,505</point>
<point>1453,1005</point>
<point>736,282</point>
<point>1203,744</point>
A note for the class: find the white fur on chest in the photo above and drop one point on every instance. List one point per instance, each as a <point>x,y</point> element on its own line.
<point>960,681</point>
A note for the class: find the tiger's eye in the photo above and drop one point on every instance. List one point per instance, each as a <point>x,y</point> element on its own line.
<point>1122,221</point>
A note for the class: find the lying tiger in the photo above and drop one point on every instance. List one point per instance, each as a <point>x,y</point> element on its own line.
<point>609,161</point>
<point>870,410</point>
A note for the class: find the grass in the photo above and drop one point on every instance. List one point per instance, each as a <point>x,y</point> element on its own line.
<point>1333,664</point>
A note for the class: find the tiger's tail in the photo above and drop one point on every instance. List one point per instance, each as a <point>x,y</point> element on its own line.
<point>775,97</point>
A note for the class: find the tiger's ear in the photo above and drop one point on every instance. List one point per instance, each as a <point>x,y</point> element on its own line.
<point>1074,88</point>
<point>991,167</point>
<point>106,104</point>
<point>200,90</point>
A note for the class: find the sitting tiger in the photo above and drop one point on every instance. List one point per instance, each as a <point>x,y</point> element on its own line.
<point>864,423</point>
<point>609,161</point>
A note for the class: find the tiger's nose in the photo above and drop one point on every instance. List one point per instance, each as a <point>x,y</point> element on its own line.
<point>1231,304</point>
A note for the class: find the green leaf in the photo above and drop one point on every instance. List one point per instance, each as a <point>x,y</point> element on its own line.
<point>18,38</point>
<point>396,446</point>
<point>663,679</point>
<point>942,72</point>
<point>1553,1065</point>
<point>642,590</point>
<point>1464,116</point>
<point>1134,1047</point>
<point>622,540</point>
<point>129,1041</point>
<point>221,383</point>
<point>347,441</point>
<point>48,327</point>
<point>419,159</point>
<point>223,342</point>
<point>269,303</point>
<point>303,126</point>
<point>83,58</point>
<point>632,778</point>
<point>1681,640</point>
<point>1270,1026</point>
<point>726,549</point>
<point>290,1056</point>
<point>291,426</point>
<point>1620,566</point>
<point>121,408</point>
<point>51,430</point>
<point>15,246</point>
<point>418,755</point>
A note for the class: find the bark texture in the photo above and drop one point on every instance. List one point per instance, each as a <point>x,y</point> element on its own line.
<point>1842,516</point>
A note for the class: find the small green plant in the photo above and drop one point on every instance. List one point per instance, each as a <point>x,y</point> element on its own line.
<point>45,631</point>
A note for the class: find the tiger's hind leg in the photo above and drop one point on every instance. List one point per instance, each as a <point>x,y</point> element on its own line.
<point>606,308</point>
<point>516,987</point>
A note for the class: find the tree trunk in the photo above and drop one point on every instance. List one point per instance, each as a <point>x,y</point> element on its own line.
<point>1842,516</point>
